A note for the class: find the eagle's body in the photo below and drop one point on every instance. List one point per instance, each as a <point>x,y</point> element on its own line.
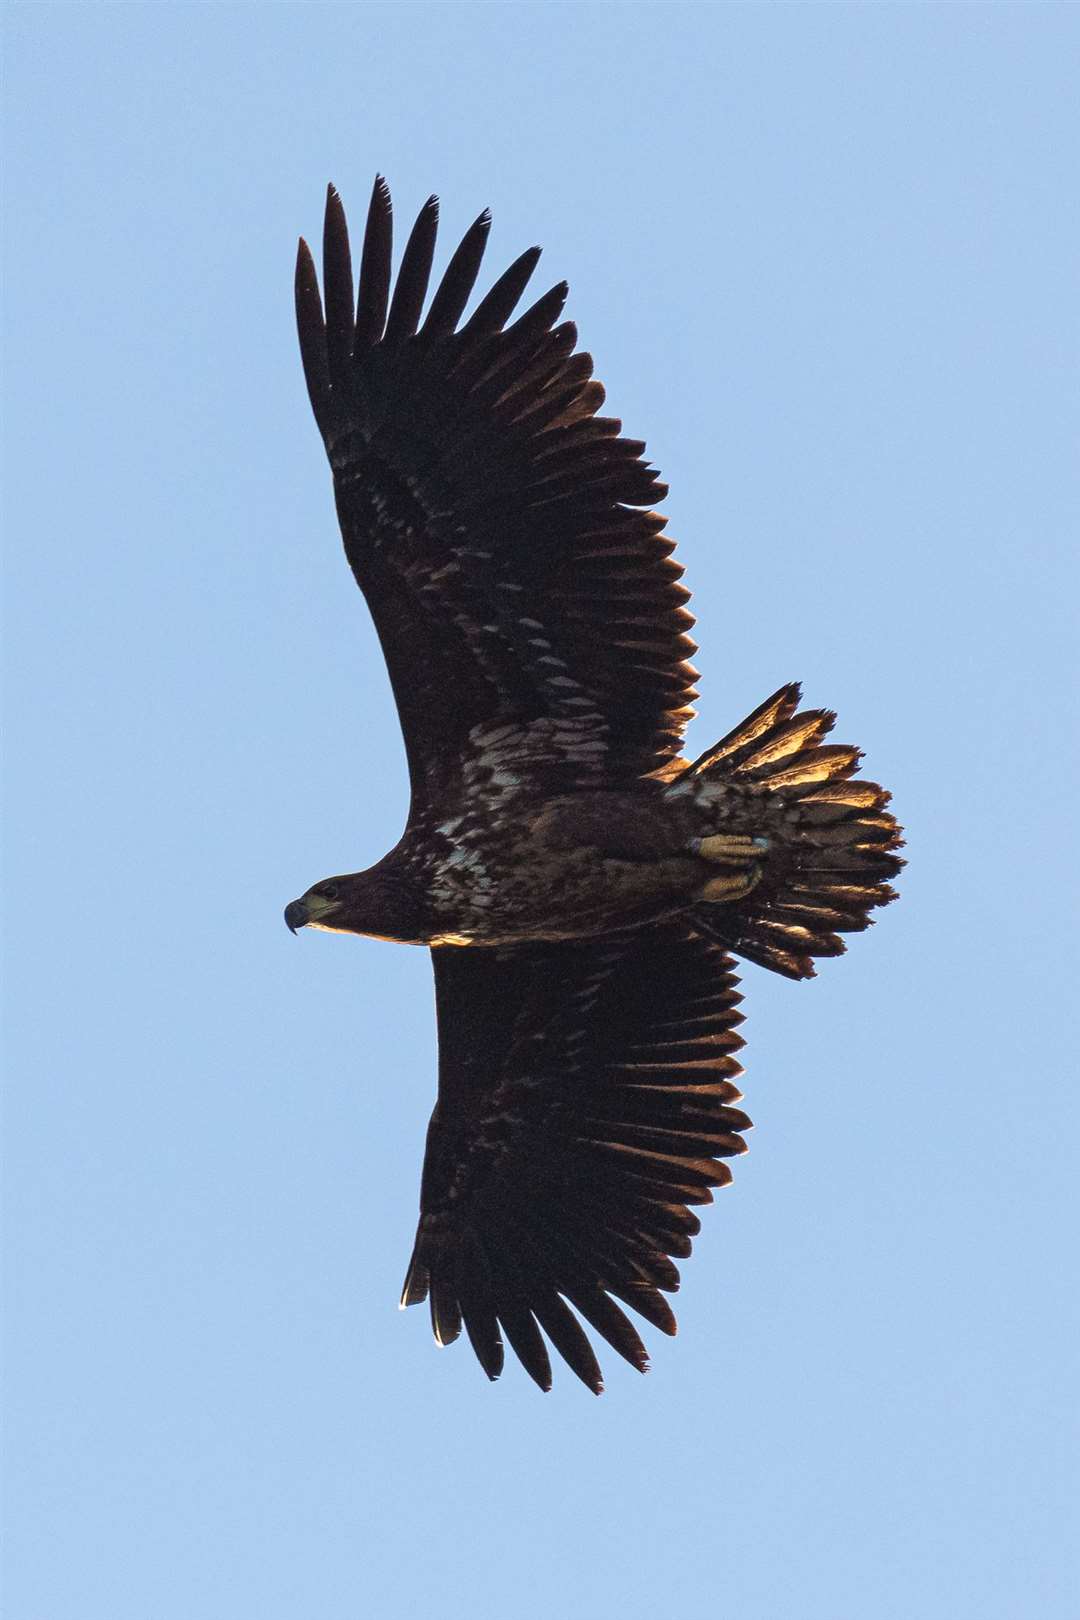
<point>568,868</point>
<point>580,885</point>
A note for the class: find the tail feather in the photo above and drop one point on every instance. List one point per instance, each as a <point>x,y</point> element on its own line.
<point>832,840</point>
<point>780,707</point>
<point>802,732</point>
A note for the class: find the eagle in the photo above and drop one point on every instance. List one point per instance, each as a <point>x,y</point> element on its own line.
<point>583,889</point>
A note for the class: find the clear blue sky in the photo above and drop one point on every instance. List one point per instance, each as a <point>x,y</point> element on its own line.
<point>826,260</point>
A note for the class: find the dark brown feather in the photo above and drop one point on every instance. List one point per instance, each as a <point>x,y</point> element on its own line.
<point>459,279</point>
<point>413,276</point>
<point>337,279</point>
<point>312,331</point>
<point>374,291</point>
<point>496,307</point>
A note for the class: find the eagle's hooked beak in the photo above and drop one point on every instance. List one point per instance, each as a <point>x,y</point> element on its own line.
<point>296,915</point>
<point>312,908</point>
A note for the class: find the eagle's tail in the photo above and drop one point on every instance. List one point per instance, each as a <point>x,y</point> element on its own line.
<point>828,842</point>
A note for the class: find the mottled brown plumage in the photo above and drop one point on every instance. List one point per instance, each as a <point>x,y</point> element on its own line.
<point>582,888</point>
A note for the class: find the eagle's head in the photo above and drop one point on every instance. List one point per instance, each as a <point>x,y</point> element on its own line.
<point>379,902</point>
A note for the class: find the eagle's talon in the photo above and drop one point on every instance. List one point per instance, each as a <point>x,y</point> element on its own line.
<point>730,849</point>
<point>726,890</point>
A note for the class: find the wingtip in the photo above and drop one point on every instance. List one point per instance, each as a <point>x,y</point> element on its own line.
<point>481,226</point>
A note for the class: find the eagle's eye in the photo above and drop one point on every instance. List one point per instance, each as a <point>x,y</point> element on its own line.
<point>329,891</point>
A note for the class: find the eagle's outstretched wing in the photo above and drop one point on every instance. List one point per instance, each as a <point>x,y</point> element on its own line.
<point>585,1099</point>
<point>492,519</point>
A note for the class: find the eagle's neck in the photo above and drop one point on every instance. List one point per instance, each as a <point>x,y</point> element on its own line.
<point>385,902</point>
